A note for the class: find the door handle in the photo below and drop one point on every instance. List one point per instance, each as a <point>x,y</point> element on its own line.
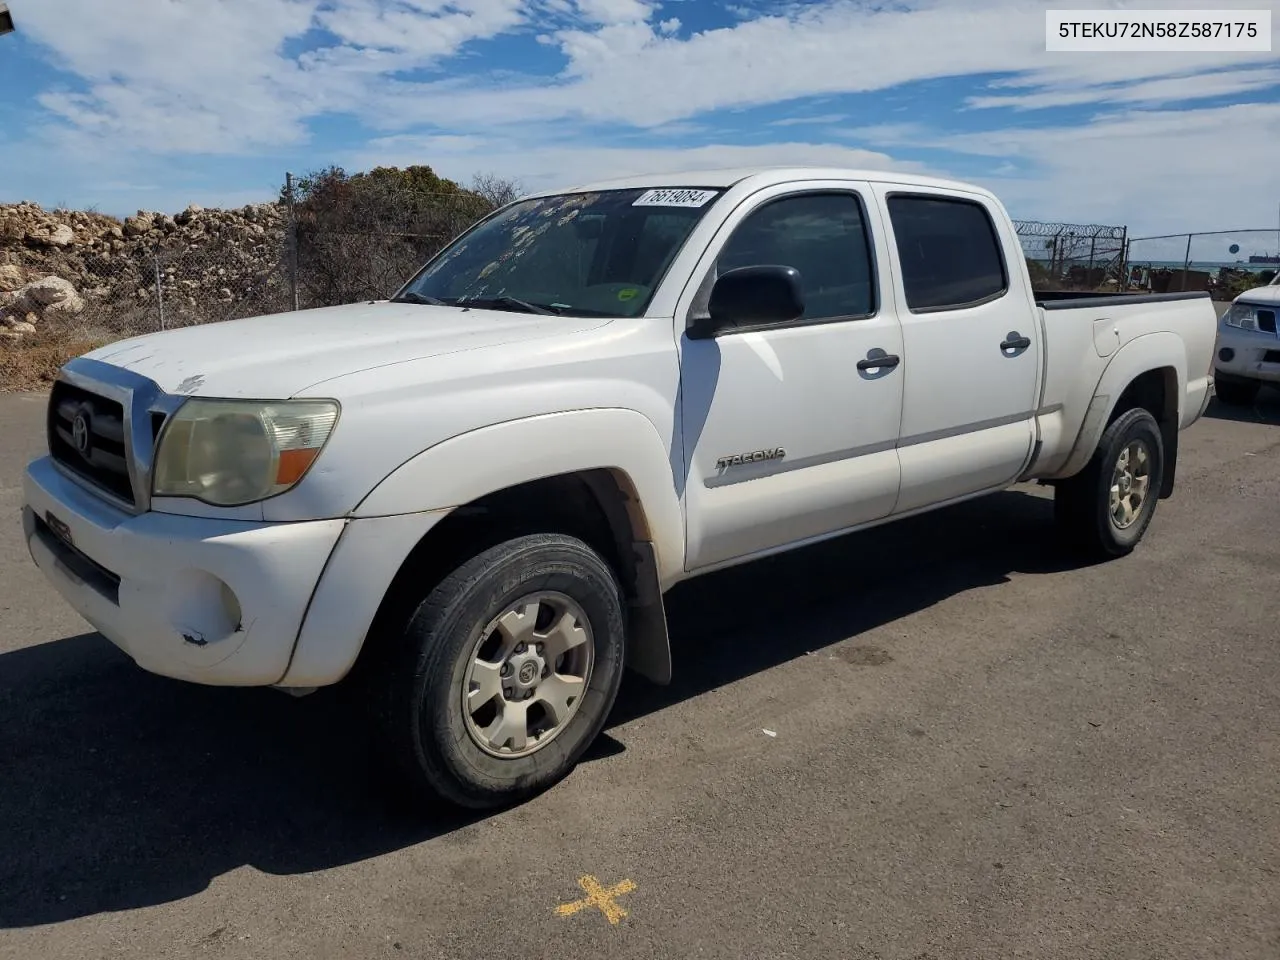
<point>883,361</point>
<point>1015,341</point>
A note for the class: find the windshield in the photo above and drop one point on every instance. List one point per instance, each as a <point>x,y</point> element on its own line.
<point>586,254</point>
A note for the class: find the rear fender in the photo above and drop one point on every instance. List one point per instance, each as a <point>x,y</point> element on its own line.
<point>1152,351</point>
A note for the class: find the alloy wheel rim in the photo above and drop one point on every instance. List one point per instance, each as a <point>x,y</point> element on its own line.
<point>526,674</point>
<point>1130,484</point>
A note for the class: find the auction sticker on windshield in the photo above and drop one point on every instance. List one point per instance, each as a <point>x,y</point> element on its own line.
<point>673,198</point>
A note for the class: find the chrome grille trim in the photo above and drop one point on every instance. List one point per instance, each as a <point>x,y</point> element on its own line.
<point>140,398</point>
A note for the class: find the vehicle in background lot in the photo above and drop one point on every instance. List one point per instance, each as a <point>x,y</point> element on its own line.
<point>1248,348</point>
<point>470,499</point>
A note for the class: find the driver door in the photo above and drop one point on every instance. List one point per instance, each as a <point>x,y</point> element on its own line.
<point>789,432</point>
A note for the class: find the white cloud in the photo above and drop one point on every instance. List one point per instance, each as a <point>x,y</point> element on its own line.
<point>212,76</point>
<point>202,74</point>
<point>1199,86</point>
<point>821,120</point>
<point>548,166</point>
<point>630,73</point>
<point>152,67</point>
<point>424,30</point>
<point>1156,171</point>
<point>207,77</point>
<point>615,11</point>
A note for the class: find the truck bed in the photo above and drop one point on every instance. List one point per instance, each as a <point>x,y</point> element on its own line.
<point>1085,333</point>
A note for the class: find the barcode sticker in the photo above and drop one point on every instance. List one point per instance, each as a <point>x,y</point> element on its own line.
<point>667,197</point>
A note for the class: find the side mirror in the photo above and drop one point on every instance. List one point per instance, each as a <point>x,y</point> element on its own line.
<point>751,296</point>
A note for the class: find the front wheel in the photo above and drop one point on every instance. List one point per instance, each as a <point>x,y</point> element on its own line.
<point>505,673</point>
<point>1106,508</point>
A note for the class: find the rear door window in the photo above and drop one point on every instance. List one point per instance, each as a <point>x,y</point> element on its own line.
<point>949,252</point>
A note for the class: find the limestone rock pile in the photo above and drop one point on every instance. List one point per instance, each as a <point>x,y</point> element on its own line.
<point>55,264</point>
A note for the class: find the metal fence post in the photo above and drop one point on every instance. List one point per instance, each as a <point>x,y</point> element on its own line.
<point>1186,263</point>
<point>155,259</point>
<point>291,243</point>
<point>1123,277</point>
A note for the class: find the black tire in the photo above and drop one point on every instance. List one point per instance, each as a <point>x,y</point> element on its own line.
<point>1235,391</point>
<point>1082,504</point>
<point>421,724</point>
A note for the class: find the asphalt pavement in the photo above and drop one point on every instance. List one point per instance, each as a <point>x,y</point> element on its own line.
<point>938,739</point>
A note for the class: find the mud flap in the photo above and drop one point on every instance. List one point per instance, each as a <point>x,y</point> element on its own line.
<point>648,644</point>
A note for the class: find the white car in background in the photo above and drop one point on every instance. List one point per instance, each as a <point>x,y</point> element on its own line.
<point>1248,349</point>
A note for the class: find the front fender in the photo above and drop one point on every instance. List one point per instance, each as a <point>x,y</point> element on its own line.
<point>1151,351</point>
<point>483,461</point>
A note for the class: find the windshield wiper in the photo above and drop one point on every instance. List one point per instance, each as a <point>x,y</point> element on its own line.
<point>499,303</point>
<point>413,296</point>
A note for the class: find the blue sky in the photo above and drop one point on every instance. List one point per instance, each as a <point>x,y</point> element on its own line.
<point>152,104</point>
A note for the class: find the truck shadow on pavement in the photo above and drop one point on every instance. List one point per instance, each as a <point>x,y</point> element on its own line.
<point>1265,409</point>
<point>119,789</point>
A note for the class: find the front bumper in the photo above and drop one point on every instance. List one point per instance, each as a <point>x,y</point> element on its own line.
<point>1253,354</point>
<point>210,601</point>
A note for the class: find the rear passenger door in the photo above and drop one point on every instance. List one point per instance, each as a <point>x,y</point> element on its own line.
<point>972,342</point>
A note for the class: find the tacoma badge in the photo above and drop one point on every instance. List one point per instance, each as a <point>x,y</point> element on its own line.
<point>774,453</point>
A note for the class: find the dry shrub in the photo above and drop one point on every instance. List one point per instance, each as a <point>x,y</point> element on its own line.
<point>360,236</point>
<point>33,362</point>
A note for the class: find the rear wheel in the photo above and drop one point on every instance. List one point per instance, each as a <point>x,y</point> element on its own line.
<point>1235,391</point>
<point>505,673</point>
<point>1106,508</point>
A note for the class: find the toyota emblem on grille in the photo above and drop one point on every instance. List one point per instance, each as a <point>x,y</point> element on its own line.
<point>80,434</point>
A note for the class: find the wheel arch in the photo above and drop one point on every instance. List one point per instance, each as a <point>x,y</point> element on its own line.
<point>602,475</point>
<point>598,506</point>
<point>1148,372</point>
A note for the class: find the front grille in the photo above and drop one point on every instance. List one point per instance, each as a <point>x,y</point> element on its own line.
<point>86,436</point>
<point>1267,320</point>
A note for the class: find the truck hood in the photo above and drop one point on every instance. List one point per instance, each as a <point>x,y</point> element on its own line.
<point>1266,295</point>
<point>279,355</point>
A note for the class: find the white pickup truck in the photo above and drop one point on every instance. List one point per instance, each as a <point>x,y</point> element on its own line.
<point>472,497</point>
<point>1248,348</point>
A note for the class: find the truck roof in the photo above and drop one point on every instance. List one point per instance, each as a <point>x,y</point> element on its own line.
<point>764,176</point>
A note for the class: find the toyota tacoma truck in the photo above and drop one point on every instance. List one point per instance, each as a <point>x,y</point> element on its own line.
<point>469,499</point>
<point>1248,348</point>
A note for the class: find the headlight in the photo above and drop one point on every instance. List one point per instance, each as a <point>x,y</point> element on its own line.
<point>231,452</point>
<point>1242,315</point>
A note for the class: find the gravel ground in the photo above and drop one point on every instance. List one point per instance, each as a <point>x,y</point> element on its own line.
<point>937,739</point>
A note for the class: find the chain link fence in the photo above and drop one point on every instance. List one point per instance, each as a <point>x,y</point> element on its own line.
<point>1224,262</point>
<point>1073,256</point>
<point>141,289</point>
